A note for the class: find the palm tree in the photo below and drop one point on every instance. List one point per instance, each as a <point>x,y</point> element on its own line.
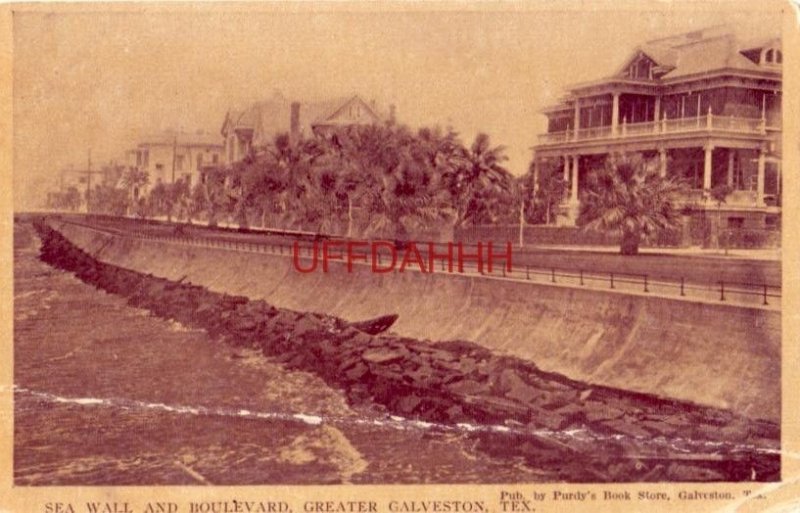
<point>478,176</point>
<point>400,187</point>
<point>549,193</point>
<point>627,197</point>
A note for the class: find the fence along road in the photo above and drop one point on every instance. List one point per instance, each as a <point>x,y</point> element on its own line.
<point>754,294</point>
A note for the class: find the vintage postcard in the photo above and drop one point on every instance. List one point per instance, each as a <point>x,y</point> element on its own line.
<point>356,257</point>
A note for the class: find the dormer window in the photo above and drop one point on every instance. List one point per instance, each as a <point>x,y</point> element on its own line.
<point>641,67</point>
<point>771,56</point>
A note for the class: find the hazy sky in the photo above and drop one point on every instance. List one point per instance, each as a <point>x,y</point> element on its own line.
<point>93,78</point>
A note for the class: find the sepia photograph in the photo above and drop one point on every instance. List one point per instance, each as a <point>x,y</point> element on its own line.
<point>391,244</point>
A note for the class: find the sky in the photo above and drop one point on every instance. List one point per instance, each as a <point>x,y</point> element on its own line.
<point>97,77</point>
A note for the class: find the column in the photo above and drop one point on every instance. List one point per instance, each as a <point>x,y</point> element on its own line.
<point>762,164</point>
<point>731,155</point>
<point>657,109</point>
<point>535,177</point>
<point>707,167</point>
<point>573,197</point>
<point>662,160</point>
<point>566,168</point>
<point>614,114</point>
<point>577,121</point>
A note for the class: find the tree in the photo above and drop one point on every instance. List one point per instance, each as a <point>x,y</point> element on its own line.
<point>719,195</point>
<point>479,182</point>
<point>549,193</point>
<point>134,180</point>
<point>628,197</point>
<point>73,198</point>
<point>209,195</point>
<point>159,201</point>
<point>181,194</point>
<point>399,185</point>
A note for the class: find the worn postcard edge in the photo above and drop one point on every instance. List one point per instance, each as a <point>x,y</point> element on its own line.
<point>781,496</point>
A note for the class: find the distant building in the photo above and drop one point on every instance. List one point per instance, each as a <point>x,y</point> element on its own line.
<point>254,128</point>
<point>706,103</point>
<point>170,156</point>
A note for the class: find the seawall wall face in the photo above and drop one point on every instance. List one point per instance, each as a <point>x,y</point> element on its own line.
<point>718,355</point>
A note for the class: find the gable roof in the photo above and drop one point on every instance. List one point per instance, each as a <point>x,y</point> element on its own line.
<point>332,114</point>
<point>700,51</point>
<point>272,117</point>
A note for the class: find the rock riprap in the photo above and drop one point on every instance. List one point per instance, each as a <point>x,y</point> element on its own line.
<point>509,405</point>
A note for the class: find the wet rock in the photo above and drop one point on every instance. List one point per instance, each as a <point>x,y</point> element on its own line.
<point>596,411</point>
<point>467,387</point>
<point>382,356</point>
<point>627,427</point>
<point>407,404</point>
<point>497,408</point>
<point>548,419</point>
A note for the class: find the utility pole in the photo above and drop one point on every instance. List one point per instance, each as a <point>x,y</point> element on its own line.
<point>174,155</point>
<point>89,181</point>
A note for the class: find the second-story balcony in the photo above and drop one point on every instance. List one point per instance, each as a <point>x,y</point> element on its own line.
<point>698,124</point>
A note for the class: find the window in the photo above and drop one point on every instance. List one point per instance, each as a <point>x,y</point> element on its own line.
<point>771,56</point>
<point>771,222</point>
<point>179,162</point>
<point>641,67</point>
<point>736,223</point>
<point>215,158</point>
<point>199,161</point>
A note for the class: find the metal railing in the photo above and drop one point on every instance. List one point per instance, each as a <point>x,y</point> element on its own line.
<point>702,123</point>
<point>734,292</point>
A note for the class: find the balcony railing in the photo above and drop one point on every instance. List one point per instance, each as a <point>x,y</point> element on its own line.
<point>707,123</point>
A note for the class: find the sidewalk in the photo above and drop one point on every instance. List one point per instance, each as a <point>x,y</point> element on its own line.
<point>773,254</point>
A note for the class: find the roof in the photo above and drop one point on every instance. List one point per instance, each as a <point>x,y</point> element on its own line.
<point>271,117</point>
<point>703,51</point>
<point>709,55</point>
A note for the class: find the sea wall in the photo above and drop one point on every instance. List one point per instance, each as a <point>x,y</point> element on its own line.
<point>718,355</point>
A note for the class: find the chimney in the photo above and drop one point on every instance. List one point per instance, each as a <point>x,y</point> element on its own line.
<point>392,116</point>
<point>294,121</point>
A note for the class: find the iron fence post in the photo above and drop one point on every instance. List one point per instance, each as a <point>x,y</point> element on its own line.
<point>552,274</point>
<point>580,273</point>
<point>765,294</point>
<point>722,290</point>
<point>612,279</point>
<point>645,283</point>
<point>682,291</point>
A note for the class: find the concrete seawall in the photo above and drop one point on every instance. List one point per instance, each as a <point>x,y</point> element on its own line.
<point>712,354</point>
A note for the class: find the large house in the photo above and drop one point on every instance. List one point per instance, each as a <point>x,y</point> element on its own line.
<point>169,156</point>
<point>705,106</point>
<point>252,129</point>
